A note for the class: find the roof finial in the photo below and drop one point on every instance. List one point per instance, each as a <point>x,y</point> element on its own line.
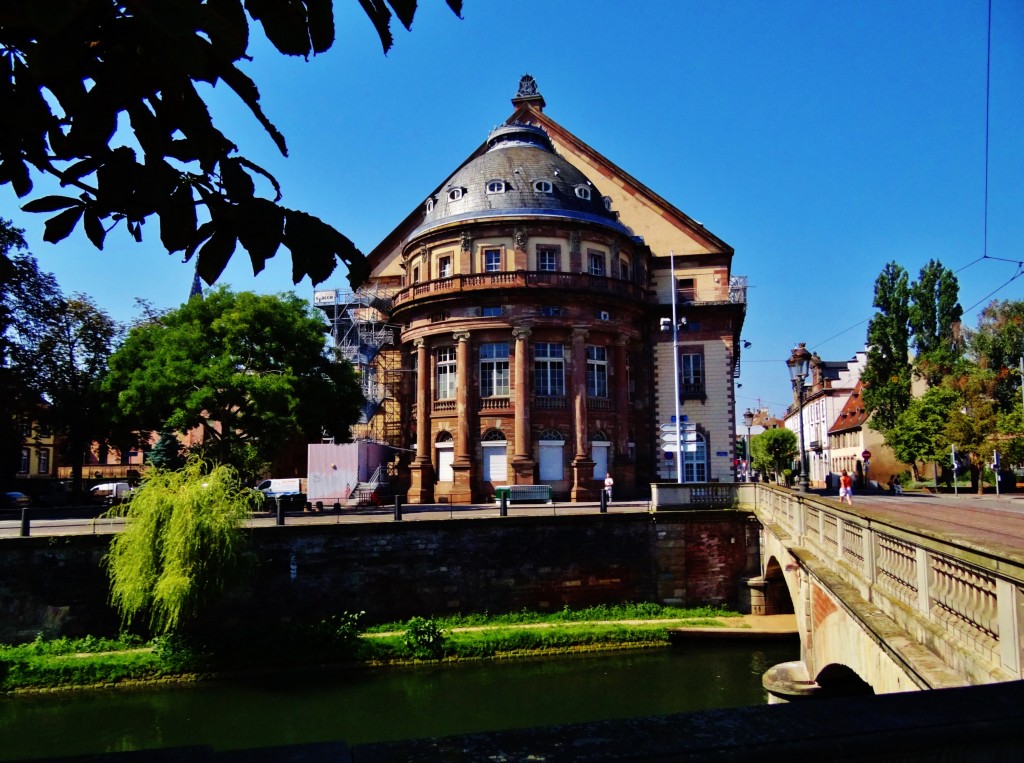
<point>528,93</point>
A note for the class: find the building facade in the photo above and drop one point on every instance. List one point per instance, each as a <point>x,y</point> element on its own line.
<point>523,305</point>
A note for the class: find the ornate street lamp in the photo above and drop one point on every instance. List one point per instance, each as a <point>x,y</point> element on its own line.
<point>748,419</point>
<point>799,366</point>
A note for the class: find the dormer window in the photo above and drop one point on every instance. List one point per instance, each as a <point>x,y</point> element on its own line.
<point>496,186</point>
<point>454,194</point>
<point>430,205</point>
<point>583,192</point>
<point>542,186</point>
<point>607,202</point>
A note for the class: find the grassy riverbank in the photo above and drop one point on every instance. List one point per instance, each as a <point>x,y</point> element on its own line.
<point>70,663</point>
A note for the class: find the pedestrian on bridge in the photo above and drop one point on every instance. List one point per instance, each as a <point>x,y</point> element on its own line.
<point>845,488</point>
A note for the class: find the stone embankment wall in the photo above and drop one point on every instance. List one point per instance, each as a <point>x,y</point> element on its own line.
<point>394,570</point>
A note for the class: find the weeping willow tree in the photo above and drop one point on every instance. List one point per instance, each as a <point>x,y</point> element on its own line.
<point>182,543</point>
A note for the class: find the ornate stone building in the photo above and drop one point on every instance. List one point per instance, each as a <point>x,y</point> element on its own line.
<point>525,297</point>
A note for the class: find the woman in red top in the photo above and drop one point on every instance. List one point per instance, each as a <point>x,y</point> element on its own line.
<point>846,488</point>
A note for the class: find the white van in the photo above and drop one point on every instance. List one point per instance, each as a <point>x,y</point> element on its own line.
<point>110,492</point>
<point>275,487</point>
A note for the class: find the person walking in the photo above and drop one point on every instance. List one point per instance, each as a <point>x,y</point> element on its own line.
<point>845,488</point>
<point>608,484</point>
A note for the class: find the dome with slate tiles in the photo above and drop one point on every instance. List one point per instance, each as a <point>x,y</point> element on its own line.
<point>519,175</point>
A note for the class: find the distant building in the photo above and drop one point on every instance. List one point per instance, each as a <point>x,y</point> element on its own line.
<point>512,331</point>
<point>37,453</point>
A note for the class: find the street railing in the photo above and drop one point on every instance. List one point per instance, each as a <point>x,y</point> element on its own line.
<point>961,600</point>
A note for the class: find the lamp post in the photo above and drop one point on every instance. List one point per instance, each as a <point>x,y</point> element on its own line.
<point>799,365</point>
<point>748,419</point>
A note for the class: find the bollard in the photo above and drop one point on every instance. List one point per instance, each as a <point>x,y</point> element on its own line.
<point>24,523</point>
<point>398,508</point>
<point>319,506</point>
<point>280,510</point>
<point>604,501</point>
<point>504,505</point>
<point>337,507</point>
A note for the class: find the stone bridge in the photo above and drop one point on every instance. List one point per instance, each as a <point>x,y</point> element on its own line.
<point>888,600</point>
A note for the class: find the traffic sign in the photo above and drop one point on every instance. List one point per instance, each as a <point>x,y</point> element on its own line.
<point>866,455</point>
<point>673,437</point>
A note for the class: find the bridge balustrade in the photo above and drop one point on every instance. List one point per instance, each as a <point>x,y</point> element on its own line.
<point>963,602</point>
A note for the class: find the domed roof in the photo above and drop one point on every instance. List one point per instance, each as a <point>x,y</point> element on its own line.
<point>519,175</point>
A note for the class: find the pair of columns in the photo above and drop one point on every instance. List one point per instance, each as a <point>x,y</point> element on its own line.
<point>421,488</point>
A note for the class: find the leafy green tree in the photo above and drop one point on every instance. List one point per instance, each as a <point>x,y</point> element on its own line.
<point>974,426</point>
<point>919,434</point>
<point>250,371</point>
<point>772,450</point>
<point>27,300</point>
<point>934,317</point>
<point>182,544</point>
<point>75,72</point>
<point>70,363</point>
<point>886,376</point>
<point>997,345</point>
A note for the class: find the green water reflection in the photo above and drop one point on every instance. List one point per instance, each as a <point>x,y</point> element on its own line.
<point>365,705</point>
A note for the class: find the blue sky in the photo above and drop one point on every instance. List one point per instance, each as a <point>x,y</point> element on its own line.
<point>820,139</point>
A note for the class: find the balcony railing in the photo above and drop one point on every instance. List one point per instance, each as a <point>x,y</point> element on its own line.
<point>519,279</point>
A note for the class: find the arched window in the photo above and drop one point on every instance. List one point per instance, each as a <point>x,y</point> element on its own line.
<point>551,447</point>
<point>542,186</point>
<point>455,194</point>
<point>496,186</point>
<point>445,447</point>
<point>600,449</point>
<point>495,452</point>
<point>583,192</point>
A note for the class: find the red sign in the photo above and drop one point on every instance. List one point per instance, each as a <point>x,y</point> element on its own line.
<point>866,455</point>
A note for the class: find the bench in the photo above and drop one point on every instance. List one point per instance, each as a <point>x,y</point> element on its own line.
<point>524,494</point>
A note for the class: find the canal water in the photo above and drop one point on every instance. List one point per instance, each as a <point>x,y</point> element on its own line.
<point>385,704</point>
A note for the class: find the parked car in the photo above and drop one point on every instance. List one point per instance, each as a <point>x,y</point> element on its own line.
<point>110,493</point>
<point>14,500</point>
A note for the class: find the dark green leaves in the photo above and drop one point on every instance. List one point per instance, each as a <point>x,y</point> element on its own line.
<point>74,75</point>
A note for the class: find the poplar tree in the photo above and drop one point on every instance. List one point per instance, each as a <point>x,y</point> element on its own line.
<point>887,374</point>
<point>934,316</point>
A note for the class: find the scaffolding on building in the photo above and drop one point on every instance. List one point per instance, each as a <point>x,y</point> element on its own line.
<point>363,335</point>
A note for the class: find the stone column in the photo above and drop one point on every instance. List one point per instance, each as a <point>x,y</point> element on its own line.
<point>522,458</point>
<point>462,488</point>
<point>421,482</point>
<point>582,465</point>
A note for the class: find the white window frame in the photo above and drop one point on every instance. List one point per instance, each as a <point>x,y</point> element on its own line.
<point>547,259</point>
<point>596,263</point>
<point>491,260</point>
<point>455,194</point>
<point>543,186</point>
<point>445,374</point>
<point>494,369</point>
<point>597,371</point>
<point>444,266</point>
<point>496,186</point>
<point>549,369</point>
<point>583,192</point>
